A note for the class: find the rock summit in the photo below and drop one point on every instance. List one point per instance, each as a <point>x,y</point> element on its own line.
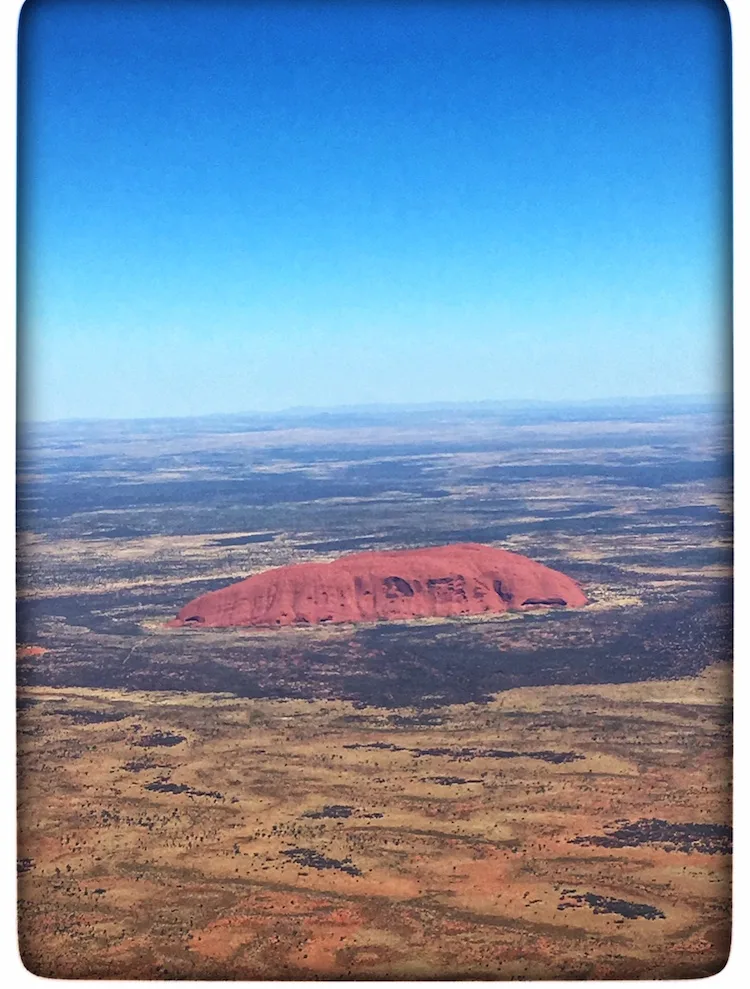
<point>394,585</point>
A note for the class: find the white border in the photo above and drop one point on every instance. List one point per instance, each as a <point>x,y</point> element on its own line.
<point>739,961</point>
<point>8,940</point>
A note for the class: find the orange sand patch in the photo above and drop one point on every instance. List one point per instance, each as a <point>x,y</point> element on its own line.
<point>222,938</point>
<point>27,652</point>
<point>325,938</point>
<point>259,920</point>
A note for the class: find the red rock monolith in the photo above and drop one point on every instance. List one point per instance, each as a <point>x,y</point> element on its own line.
<point>437,581</point>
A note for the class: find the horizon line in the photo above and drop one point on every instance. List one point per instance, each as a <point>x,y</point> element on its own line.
<point>713,398</point>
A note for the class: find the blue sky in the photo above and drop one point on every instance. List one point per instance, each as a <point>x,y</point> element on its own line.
<point>230,206</point>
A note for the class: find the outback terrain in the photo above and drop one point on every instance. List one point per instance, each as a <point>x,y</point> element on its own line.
<point>510,795</point>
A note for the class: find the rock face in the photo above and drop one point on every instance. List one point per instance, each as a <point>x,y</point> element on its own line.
<point>462,579</point>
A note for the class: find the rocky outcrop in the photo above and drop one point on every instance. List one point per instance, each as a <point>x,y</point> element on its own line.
<point>439,581</point>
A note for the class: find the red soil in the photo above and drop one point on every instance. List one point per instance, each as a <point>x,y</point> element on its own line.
<point>25,652</point>
<point>440,581</point>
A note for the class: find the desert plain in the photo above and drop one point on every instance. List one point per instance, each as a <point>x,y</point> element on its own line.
<point>512,796</point>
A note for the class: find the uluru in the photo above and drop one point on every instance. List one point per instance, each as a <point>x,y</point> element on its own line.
<point>393,585</point>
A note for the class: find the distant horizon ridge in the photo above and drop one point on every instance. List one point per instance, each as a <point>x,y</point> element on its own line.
<point>707,398</point>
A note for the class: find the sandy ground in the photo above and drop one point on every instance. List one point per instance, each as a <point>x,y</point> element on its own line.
<point>175,835</point>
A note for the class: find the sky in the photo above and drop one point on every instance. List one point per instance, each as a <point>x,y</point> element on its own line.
<point>237,206</point>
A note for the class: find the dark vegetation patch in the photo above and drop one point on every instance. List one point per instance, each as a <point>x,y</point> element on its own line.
<point>721,714</point>
<point>701,513</point>
<point>138,765</point>
<point>414,720</point>
<point>116,532</point>
<point>500,531</point>
<point>608,904</point>
<point>166,786</point>
<point>569,510</point>
<point>709,839</point>
<point>430,666</point>
<point>421,666</point>
<point>84,717</point>
<point>448,780</point>
<point>71,505</point>
<point>24,703</point>
<point>258,537</point>
<point>466,754</point>
<point>344,545</point>
<point>96,612</point>
<point>641,475</point>
<point>703,557</point>
<point>159,738</point>
<point>336,811</point>
<point>695,532</point>
<point>311,859</point>
<point>112,613</point>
